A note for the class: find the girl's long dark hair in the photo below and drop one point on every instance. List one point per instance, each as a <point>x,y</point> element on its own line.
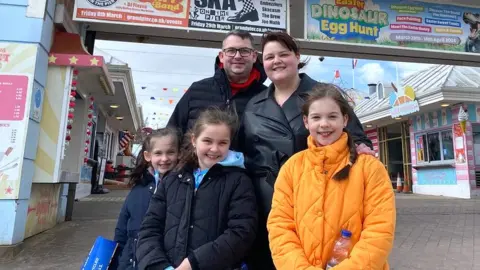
<point>210,116</point>
<point>136,177</point>
<point>326,90</point>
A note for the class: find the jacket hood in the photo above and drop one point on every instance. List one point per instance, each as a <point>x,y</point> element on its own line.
<point>258,65</point>
<point>234,159</point>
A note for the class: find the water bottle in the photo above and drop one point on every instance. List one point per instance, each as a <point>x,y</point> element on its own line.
<point>341,249</point>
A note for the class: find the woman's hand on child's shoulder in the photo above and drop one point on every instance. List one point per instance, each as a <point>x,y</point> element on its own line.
<point>364,149</point>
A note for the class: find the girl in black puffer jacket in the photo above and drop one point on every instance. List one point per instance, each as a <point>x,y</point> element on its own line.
<point>203,216</point>
<point>159,154</point>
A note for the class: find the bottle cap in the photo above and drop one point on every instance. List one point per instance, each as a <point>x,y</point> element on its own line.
<point>346,233</point>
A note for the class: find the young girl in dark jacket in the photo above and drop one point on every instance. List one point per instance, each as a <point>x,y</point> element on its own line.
<point>203,215</point>
<point>159,154</point>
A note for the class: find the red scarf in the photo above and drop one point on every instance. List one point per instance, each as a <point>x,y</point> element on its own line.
<point>237,87</point>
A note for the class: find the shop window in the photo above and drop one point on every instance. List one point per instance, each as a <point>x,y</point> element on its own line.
<point>434,150</point>
<point>92,138</point>
<point>107,145</point>
<point>420,146</point>
<point>447,145</point>
<point>434,146</point>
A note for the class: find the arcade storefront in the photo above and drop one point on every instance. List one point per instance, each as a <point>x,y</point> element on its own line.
<point>427,132</point>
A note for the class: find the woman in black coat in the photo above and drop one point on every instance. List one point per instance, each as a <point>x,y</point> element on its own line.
<point>273,129</point>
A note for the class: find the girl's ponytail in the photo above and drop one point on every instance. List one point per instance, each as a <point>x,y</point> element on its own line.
<point>141,164</point>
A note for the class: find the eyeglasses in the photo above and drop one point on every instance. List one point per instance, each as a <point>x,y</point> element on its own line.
<point>230,52</point>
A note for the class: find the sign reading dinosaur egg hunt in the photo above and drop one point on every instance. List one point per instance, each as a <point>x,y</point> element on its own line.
<point>256,16</point>
<point>411,24</point>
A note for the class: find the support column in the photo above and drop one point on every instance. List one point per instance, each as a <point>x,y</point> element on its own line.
<point>25,40</point>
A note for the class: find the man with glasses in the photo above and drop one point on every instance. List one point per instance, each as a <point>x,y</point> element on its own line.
<point>239,76</point>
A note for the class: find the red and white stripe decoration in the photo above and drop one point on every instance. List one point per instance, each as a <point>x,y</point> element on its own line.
<point>465,171</point>
<point>89,129</point>
<point>71,107</point>
<point>372,134</point>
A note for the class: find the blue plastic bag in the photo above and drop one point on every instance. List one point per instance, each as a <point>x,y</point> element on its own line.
<point>100,255</point>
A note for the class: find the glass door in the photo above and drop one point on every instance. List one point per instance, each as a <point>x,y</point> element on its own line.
<point>394,148</point>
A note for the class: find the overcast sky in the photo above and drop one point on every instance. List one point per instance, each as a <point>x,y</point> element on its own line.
<point>163,72</point>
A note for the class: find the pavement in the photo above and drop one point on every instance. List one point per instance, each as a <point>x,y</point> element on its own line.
<point>432,233</point>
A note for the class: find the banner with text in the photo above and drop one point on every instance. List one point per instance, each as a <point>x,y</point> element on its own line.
<point>412,24</point>
<point>251,15</point>
<point>256,16</point>
<point>137,12</point>
<point>17,69</point>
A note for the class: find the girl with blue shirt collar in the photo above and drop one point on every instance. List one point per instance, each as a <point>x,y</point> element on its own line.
<point>204,214</point>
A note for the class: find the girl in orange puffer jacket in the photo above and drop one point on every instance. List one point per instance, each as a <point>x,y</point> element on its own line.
<point>327,188</point>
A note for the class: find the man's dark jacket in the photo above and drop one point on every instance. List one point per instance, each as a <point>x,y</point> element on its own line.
<point>270,135</point>
<point>214,91</point>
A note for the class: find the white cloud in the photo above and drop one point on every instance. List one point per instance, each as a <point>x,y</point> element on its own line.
<point>155,67</point>
<point>372,73</point>
<point>406,69</point>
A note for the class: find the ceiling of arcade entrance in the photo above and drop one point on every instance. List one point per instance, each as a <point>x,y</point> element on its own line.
<point>296,18</point>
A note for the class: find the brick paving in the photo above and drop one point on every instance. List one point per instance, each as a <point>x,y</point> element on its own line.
<point>436,233</point>
<point>432,233</point>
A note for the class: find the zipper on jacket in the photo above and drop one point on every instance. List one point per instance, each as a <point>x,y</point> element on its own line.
<point>134,251</point>
<point>190,184</point>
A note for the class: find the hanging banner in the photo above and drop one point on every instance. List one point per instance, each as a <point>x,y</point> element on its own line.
<point>251,15</point>
<point>255,16</point>
<point>411,24</point>
<point>172,13</point>
<point>17,66</point>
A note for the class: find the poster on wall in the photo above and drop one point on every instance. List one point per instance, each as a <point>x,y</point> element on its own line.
<point>210,15</point>
<point>250,15</point>
<point>411,24</point>
<point>172,13</point>
<point>17,65</point>
<point>460,156</point>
